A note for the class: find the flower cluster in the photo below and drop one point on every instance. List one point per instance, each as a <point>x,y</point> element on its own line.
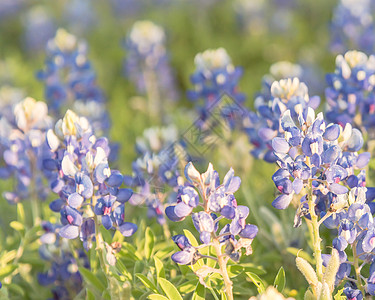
<point>71,82</point>
<point>218,203</point>
<point>264,124</point>
<point>156,170</point>
<point>23,128</point>
<point>147,62</point>
<point>87,187</point>
<point>350,96</point>
<point>356,232</point>
<point>63,271</point>
<point>353,26</point>
<point>320,155</point>
<point>214,77</point>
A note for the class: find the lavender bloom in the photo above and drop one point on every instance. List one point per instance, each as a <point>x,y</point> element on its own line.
<point>353,26</point>
<point>263,127</point>
<point>349,94</point>
<point>22,141</point>
<point>312,151</point>
<point>321,161</point>
<point>156,170</point>
<point>78,168</point>
<point>62,267</point>
<point>218,203</point>
<point>215,76</point>
<point>147,62</point>
<point>71,82</point>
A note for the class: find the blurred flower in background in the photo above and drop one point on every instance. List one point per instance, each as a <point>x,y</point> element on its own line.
<point>352,26</point>
<point>39,28</point>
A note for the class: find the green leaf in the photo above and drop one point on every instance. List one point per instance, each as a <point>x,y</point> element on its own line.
<point>149,242</point>
<point>16,289</point>
<point>17,226</point>
<point>234,270</point>
<point>339,295</point>
<point>188,287</point>
<point>157,297</point>
<point>89,295</point>
<point>223,295</point>
<point>147,282</point>
<point>20,213</point>
<point>169,289</point>
<point>7,270</point>
<point>160,272</point>
<point>191,238</point>
<point>91,279</point>
<point>257,281</point>
<point>200,293</point>
<point>280,281</point>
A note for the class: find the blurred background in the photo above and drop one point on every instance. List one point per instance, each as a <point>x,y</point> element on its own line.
<point>255,33</point>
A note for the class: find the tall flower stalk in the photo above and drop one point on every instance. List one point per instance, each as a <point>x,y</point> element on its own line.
<point>218,203</point>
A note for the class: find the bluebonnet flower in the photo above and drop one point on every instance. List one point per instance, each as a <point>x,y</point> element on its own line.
<point>259,16</point>
<point>156,170</point>
<point>79,172</point>
<point>8,8</point>
<point>70,81</point>
<point>62,267</point>
<point>320,164</point>
<point>215,77</point>
<point>264,125</point>
<point>147,63</point>
<point>39,28</point>
<point>352,26</point>
<point>350,97</point>
<point>312,151</point>
<point>80,15</point>
<point>218,203</point>
<point>252,16</point>
<point>22,140</point>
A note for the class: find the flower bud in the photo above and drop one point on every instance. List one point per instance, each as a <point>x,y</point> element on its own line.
<point>331,270</point>
<point>309,296</point>
<point>325,293</point>
<point>307,270</point>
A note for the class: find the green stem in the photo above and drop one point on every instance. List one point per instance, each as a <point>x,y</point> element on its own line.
<point>34,195</point>
<point>316,240</point>
<point>357,270</point>
<point>223,268</point>
<point>100,248</point>
<point>154,100</point>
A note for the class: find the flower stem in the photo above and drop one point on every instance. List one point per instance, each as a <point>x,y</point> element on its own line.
<point>100,248</point>
<point>33,192</point>
<point>316,240</point>
<point>223,268</point>
<point>357,270</point>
